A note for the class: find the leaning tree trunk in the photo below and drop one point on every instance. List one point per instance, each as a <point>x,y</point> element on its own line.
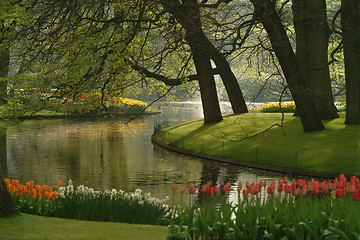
<point>312,39</point>
<point>350,24</point>
<point>231,84</point>
<point>188,15</point>
<point>266,13</point>
<point>4,68</point>
<point>209,98</point>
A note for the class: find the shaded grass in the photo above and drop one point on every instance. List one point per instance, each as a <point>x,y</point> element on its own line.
<point>34,227</point>
<point>334,150</point>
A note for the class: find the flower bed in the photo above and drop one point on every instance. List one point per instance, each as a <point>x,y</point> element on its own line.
<point>296,209</point>
<point>280,209</point>
<point>92,103</point>
<point>85,203</point>
<point>286,107</point>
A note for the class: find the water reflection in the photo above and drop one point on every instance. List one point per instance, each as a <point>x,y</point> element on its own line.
<point>106,153</point>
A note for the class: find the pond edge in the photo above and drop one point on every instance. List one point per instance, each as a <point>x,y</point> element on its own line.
<point>238,162</point>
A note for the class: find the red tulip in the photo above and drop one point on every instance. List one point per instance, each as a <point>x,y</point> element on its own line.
<point>225,188</point>
<point>297,191</point>
<point>339,193</point>
<point>347,189</point>
<point>287,188</point>
<point>209,190</point>
<point>245,193</point>
<point>270,189</point>
<point>293,185</point>
<point>342,177</point>
<point>192,188</point>
<point>285,179</point>
<point>239,187</point>
<point>281,187</point>
<point>304,189</point>
<point>173,187</point>
<point>356,195</point>
<point>182,189</point>
<point>203,188</point>
<point>316,189</point>
<point>352,188</point>
<point>228,185</point>
<point>215,189</point>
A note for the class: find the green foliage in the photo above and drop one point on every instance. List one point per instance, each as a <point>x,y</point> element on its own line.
<point>303,218</point>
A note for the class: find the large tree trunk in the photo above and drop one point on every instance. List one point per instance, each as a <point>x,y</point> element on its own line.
<point>312,40</point>
<point>7,207</point>
<point>188,15</point>
<point>3,151</point>
<point>209,98</point>
<point>232,88</point>
<point>4,68</point>
<point>350,23</point>
<point>265,11</point>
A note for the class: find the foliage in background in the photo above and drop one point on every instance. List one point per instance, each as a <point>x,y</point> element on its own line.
<point>25,103</point>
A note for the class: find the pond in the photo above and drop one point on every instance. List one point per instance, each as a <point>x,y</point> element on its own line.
<point>107,153</point>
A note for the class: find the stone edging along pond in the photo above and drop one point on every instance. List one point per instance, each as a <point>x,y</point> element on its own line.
<point>259,166</point>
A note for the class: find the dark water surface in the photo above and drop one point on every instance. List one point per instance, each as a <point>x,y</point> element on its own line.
<point>106,153</point>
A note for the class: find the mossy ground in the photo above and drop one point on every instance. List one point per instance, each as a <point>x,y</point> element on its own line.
<point>32,227</point>
<point>334,150</point>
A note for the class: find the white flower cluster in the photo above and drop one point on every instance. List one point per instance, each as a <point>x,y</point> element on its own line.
<point>135,196</point>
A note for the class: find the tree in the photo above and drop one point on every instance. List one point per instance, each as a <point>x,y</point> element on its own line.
<point>10,16</point>
<point>7,207</point>
<point>312,40</point>
<point>187,14</point>
<point>350,24</point>
<point>4,68</point>
<point>266,13</point>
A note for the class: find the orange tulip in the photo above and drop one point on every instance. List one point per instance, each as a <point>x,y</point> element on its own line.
<point>7,181</point>
<point>60,183</point>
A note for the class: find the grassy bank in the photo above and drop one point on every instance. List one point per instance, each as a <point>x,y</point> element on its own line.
<point>34,227</point>
<point>334,150</point>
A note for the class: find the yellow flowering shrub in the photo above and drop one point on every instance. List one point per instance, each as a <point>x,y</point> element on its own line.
<point>274,107</point>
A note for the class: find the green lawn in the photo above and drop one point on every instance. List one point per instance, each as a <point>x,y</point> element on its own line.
<point>29,227</point>
<point>334,150</point>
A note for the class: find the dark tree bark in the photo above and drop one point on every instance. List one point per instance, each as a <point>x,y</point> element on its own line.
<point>350,24</point>
<point>312,40</point>
<point>266,13</point>
<point>4,68</point>
<point>3,151</point>
<point>209,98</point>
<point>233,90</point>
<point>7,207</point>
<point>188,15</point>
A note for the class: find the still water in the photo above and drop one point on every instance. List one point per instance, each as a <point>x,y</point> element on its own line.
<point>107,153</point>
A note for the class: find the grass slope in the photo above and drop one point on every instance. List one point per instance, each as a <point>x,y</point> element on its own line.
<point>28,227</point>
<point>333,150</point>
